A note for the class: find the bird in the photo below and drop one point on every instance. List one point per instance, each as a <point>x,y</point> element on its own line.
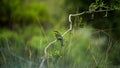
<point>59,37</point>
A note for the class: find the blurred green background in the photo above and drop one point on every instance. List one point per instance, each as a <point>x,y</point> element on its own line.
<point>27,26</point>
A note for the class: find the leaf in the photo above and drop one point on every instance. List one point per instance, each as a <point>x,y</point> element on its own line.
<point>97,1</point>
<point>106,14</point>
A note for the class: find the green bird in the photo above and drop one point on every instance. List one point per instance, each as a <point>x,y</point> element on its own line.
<point>92,8</point>
<point>59,37</point>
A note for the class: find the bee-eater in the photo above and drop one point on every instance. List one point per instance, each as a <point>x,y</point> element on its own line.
<point>59,37</point>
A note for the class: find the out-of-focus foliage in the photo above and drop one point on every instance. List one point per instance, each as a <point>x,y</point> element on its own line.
<point>21,13</point>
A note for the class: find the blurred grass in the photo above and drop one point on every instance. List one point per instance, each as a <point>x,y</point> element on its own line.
<point>31,42</point>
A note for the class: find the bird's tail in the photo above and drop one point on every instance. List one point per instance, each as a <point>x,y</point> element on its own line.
<point>61,41</point>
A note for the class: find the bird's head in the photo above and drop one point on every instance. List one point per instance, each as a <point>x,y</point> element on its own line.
<point>56,32</point>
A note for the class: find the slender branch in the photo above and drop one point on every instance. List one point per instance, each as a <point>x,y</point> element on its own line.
<point>109,44</point>
<point>45,51</point>
<point>78,14</point>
